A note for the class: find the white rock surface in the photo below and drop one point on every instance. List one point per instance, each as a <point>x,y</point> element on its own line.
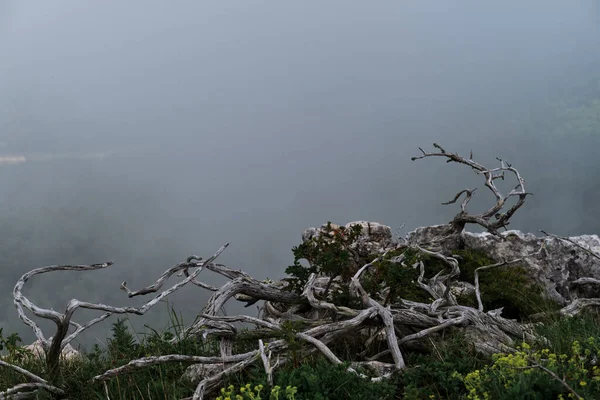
<point>375,238</point>
<point>68,353</point>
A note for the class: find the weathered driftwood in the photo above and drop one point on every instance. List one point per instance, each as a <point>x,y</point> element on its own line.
<point>319,323</point>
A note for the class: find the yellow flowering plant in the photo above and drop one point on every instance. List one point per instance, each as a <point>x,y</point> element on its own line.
<point>512,375</point>
<point>247,392</point>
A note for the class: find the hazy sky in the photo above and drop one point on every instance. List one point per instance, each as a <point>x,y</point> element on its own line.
<point>144,131</point>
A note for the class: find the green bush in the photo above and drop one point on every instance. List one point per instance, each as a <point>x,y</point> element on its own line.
<point>552,370</point>
<point>327,254</point>
<point>433,375</point>
<point>247,392</point>
<point>505,286</point>
<point>400,279</point>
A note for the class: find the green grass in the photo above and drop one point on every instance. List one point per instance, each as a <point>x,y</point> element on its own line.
<point>433,374</point>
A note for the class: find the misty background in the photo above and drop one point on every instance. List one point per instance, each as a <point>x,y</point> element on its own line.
<point>146,131</point>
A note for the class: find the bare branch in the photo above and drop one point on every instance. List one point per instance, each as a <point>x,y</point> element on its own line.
<point>579,305</point>
<point>247,285</point>
<point>155,287</point>
<point>490,175</point>
<point>17,389</point>
<point>384,313</point>
<point>321,346</point>
<point>583,281</point>
<point>146,362</point>
<point>21,301</point>
<point>209,384</point>
<point>23,371</point>
<point>61,338</point>
<point>266,359</point>
<point>425,332</point>
<point>463,205</point>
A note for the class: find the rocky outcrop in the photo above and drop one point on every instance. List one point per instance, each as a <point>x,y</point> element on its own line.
<point>375,238</point>
<point>36,349</point>
<point>557,267</point>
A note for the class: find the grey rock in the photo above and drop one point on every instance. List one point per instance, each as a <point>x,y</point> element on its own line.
<point>37,350</point>
<point>375,238</point>
<point>555,268</point>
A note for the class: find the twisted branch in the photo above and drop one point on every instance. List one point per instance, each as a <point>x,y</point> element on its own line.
<point>490,175</point>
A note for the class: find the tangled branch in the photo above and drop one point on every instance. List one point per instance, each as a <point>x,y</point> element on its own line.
<point>298,321</point>
<point>490,175</point>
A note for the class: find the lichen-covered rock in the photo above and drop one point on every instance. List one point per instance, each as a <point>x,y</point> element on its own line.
<point>436,236</point>
<point>68,353</point>
<point>373,230</point>
<point>310,233</point>
<point>428,234</point>
<point>556,267</point>
<point>375,238</point>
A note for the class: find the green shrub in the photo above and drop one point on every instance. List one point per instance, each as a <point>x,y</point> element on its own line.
<point>505,286</point>
<point>327,254</point>
<point>400,279</point>
<point>247,392</point>
<point>543,372</point>
<point>433,375</point>
<point>318,380</point>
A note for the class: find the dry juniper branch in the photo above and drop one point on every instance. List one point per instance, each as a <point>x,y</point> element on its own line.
<point>383,312</point>
<point>323,330</point>
<point>155,287</point>
<point>145,362</point>
<point>496,333</point>
<point>266,359</point>
<point>39,383</point>
<point>22,390</point>
<point>53,346</point>
<point>578,305</point>
<point>20,370</point>
<point>457,225</point>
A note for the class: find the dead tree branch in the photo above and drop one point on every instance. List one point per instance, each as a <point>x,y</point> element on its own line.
<point>313,318</point>
<point>54,346</point>
<point>490,175</point>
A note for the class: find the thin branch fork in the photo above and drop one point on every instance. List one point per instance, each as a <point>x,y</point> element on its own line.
<point>384,313</point>
<point>156,286</point>
<point>266,359</point>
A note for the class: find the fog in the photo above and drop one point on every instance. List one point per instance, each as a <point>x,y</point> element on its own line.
<point>146,131</point>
